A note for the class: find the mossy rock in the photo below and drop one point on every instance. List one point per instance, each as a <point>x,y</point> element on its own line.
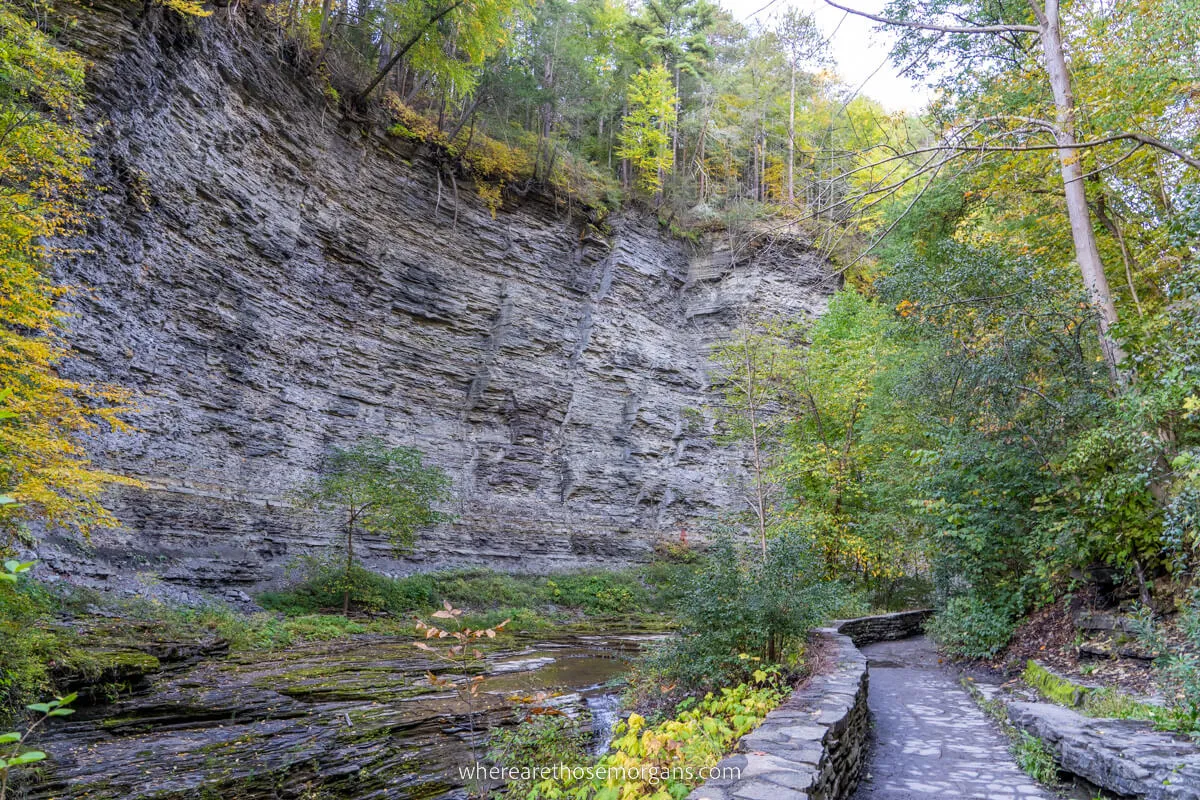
<point>102,674</point>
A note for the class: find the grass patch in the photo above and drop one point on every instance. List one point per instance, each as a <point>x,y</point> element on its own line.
<point>1030,752</point>
<point>1033,757</point>
<point>636,590</point>
<point>1103,702</point>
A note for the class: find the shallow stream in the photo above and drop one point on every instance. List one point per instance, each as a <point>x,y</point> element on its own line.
<point>346,719</point>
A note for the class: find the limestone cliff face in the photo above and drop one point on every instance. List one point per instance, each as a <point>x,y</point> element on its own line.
<point>276,281</point>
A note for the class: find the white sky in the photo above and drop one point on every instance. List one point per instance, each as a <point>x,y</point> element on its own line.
<point>857,48</point>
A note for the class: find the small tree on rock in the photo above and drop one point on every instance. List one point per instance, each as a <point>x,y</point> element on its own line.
<point>381,490</point>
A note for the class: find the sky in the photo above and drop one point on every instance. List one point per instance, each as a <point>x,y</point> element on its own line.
<point>859,51</point>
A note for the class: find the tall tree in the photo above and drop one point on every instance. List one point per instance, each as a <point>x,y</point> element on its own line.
<point>1007,32</point>
<point>645,139</point>
<point>446,38</point>
<point>802,42</point>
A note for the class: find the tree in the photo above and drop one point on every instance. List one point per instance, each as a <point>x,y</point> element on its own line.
<point>446,38</point>
<point>380,490</point>
<point>752,368</point>
<point>645,132</point>
<point>1001,33</point>
<point>802,41</point>
<point>43,465</point>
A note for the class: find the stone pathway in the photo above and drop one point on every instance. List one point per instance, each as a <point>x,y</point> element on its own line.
<point>929,739</point>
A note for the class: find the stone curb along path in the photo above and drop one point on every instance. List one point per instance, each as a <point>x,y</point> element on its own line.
<point>1126,757</point>
<point>814,744</point>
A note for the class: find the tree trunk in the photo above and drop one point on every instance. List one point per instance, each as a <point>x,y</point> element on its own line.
<point>326,11</point>
<point>1114,229</point>
<point>675,125</point>
<point>416,37</point>
<point>349,564</point>
<point>791,172</point>
<point>1082,233</point>
<point>760,492</point>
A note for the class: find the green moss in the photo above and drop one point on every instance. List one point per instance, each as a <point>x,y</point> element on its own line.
<point>1104,702</point>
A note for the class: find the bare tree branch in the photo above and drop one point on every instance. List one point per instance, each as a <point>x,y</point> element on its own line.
<point>925,26</point>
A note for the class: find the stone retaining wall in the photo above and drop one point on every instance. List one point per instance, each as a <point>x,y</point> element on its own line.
<point>812,746</point>
<point>1128,758</point>
<point>885,627</point>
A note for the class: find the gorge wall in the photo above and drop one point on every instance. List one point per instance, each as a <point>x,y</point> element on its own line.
<point>274,280</point>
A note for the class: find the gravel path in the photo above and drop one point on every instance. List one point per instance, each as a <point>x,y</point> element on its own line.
<point>929,738</point>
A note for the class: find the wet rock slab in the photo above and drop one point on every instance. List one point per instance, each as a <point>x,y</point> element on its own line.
<point>349,719</point>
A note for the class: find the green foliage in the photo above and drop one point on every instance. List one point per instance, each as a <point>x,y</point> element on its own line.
<point>326,581</point>
<point>973,627</point>
<point>847,462</point>
<point>539,741</point>
<point>1178,667</point>
<point>821,412</point>
<point>1105,702</point>
<point>595,592</point>
<point>650,761</point>
<point>379,489</point>
<point>1033,757</point>
<point>645,131</point>
<point>14,750</point>
<point>739,604</point>
<point>28,647</point>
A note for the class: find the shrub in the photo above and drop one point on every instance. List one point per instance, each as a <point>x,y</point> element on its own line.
<point>1033,757</point>
<point>487,588</point>
<point>327,581</point>
<point>739,604</point>
<point>28,647</point>
<point>539,742</point>
<point>970,627</point>
<point>598,592</point>
<point>660,756</point>
<point>1178,666</point>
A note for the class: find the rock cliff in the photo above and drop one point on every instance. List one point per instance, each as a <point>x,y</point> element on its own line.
<point>275,280</point>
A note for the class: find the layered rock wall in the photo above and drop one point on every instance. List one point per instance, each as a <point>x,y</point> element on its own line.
<point>276,280</point>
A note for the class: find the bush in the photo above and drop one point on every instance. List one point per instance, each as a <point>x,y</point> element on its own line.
<point>598,592</point>
<point>654,761</point>
<point>486,588</point>
<point>28,647</point>
<point>970,627</point>
<point>326,581</point>
<point>1032,756</point>
<point>739,605</point>
<point>539,742</point>
<point>1178,667</point>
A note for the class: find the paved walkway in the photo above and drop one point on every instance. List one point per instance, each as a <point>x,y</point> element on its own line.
<point>929,739</point>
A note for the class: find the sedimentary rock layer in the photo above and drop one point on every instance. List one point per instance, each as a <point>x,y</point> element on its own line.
<point>276,280</point>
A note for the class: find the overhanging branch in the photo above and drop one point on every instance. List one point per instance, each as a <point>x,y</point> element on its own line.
<point>926,26</point>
